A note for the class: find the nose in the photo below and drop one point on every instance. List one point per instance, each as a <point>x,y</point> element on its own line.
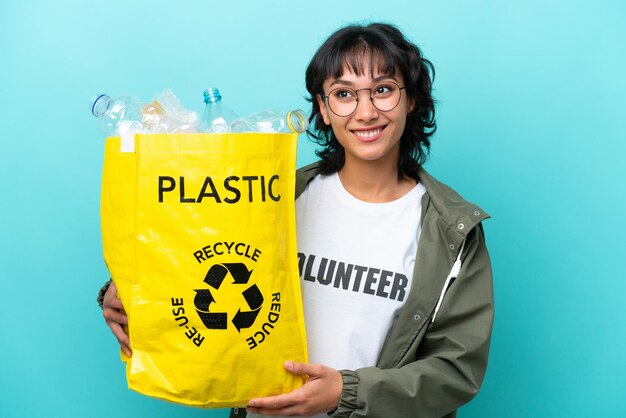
<point>365,110</point>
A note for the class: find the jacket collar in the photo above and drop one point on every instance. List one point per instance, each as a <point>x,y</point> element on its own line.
<point>458,216</point>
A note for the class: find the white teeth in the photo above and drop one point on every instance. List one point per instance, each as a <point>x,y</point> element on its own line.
<point>367,134</point>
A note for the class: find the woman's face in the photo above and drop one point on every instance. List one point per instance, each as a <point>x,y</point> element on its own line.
<point>368,134</point>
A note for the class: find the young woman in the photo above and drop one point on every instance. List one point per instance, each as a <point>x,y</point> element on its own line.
<point>396,278</point>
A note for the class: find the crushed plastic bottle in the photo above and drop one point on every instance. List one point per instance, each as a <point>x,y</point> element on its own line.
<point>152,115</point>
<point>293,121</point>
<point>167,114</point>
<point>117,116</point>
<point>217,117</point>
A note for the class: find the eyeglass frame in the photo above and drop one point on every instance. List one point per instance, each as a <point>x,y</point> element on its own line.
<point>326,97</point>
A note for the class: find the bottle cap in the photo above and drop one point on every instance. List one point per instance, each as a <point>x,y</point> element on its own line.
<point>297,121</point>
<point>100,104</point>
<point>212,95</point>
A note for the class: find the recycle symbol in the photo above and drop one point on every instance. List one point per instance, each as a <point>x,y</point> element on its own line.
<point>214,278</point>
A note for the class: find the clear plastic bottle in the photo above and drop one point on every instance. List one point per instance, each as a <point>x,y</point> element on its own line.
<point>294,121</point>
<point>217,117</point>
<point>117,116</point>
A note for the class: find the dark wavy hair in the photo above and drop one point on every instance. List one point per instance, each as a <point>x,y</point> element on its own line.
<point>385,47</point>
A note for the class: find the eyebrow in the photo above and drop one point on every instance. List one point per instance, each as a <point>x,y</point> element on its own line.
<point>349,83</point>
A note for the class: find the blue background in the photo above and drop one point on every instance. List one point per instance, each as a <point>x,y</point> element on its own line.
<point>532,122</point>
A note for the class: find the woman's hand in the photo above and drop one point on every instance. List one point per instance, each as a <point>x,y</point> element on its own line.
<point>116,318</point>
<point>319,394</point>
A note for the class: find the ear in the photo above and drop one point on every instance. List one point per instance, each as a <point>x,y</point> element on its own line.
<point>411,105</point>
<point>323,110</point>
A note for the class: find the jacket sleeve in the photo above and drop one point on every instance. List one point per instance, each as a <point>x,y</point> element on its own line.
<point>101,292</point>
<point>447,368</point>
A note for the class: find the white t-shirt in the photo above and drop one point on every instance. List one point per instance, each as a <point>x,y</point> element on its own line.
<point>356,261</point>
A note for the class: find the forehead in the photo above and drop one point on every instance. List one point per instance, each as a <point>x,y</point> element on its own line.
<point>351,78</point>
<point>361,62</point>
<point>365,61</point>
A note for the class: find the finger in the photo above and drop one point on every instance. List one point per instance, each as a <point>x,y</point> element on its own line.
<point>303,368</point>
<point>273,403</point>
<point>119,333</point>
<point>111,298</point>
<point>112,290</point>
<point>122,338</point>
<point>115,316</point>
<point>126,350</point>
<point>283,412</point>
<point>113,302</point>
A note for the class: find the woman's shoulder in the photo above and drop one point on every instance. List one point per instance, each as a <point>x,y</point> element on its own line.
<point>452,208</point>
<point>304,175</point>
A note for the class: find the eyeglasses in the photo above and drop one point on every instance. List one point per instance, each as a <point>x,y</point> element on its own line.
<point>343,101</point>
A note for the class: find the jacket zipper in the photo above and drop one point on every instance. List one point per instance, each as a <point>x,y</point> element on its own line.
<point>454,272</point>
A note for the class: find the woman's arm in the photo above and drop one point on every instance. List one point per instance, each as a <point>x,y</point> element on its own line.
<point>450,361</point>
<point>446,372</point>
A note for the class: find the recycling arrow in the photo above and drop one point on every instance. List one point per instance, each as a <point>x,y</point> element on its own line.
<point>212,320</point>
<point>239,271</point>
<point>254,299</point>
<point>203,299</point>
<point>218,272</point>
<point>214,278</point>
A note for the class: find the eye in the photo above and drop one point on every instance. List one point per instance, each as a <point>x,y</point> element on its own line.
<point>343,94</point>
<point>383,90</point>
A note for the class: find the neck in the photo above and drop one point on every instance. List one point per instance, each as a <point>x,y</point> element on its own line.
<point>374,181</point>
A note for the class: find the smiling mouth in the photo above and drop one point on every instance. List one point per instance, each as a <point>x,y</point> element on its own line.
<point>368,134</point>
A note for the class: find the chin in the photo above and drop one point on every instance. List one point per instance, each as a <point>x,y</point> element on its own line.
<point>372,156</point>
